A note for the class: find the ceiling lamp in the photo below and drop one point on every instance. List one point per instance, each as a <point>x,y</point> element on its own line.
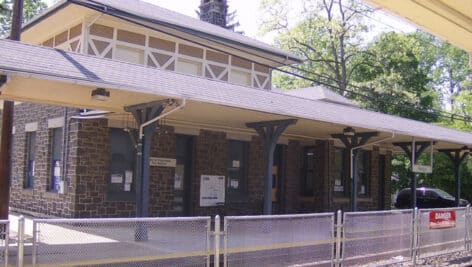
<point>100,94</point>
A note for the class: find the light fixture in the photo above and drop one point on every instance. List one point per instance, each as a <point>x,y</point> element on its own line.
<point>349,131</point>
<point>100,94</point>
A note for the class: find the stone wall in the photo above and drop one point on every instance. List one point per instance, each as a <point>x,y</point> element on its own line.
<point>87,175</point>
<point>39,200</point>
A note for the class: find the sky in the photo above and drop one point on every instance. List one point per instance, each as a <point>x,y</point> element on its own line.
<point>248,14</point>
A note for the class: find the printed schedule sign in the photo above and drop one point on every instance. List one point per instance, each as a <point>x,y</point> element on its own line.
<point>212,190</point>
<point>442,219</point>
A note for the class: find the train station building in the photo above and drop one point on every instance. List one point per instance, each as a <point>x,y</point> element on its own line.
<point>127,109</point>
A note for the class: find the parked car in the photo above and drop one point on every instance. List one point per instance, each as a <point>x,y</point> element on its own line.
<point>427,198</point>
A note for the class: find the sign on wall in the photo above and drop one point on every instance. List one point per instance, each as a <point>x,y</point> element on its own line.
<point>212,190</point>
<point>442,219</point>
<point>162,162</point>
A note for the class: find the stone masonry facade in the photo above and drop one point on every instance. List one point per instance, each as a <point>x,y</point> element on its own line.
<point>87,158</point>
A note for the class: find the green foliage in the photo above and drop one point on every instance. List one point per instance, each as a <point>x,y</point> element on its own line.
<point>30,9</point>
<point>327,33</point>
<point>410,75</point>
<point>399,71</point>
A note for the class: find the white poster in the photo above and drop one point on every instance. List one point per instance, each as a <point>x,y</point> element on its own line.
<point>116,178</point>
<point>212,190</point>
<point>127,187</point>
<point>128,176</point>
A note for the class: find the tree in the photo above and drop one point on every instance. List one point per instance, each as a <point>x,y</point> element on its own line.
<point>328,34</point>
<point>30,9</point>
<point>398,76</point>
<point>452,72</point>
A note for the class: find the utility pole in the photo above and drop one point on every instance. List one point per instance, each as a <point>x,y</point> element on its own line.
<point>7,123</point>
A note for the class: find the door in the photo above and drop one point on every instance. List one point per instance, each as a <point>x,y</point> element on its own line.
<point>183,174</point>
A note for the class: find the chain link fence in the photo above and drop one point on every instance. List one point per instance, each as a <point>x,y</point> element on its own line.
<point>385,237</point>
<point>353,239</point>
<point>4,239</point>
<point>280,240</point>
<point>122,242</point>
<point>433,241</point>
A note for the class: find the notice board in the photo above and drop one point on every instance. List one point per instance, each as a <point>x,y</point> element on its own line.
<point>212,190</point>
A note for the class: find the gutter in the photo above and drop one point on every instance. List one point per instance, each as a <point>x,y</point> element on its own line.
<point>365,145</point>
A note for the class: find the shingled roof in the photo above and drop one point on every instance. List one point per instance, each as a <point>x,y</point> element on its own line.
<point>52,64</point>
<point>143,11</point>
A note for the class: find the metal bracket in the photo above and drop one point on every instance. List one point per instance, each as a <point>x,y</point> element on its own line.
<point>3,81</point>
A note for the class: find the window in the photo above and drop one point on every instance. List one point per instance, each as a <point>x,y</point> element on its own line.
<point>363,166</point>
<point>240,77</point>
<point>340,166</point>
<point>56,159</point>
<point>237,170</point>
<point>308,176</point>
<point>129,54</point>
<point>189,67</point>
<point>121,186</point>
<point>30,156</point>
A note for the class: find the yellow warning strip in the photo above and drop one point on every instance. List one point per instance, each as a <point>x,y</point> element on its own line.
<point>188,254</point>
<point>278,246</point>
<point>125,260</point>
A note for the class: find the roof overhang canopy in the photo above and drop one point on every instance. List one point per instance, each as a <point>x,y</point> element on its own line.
<point>450,20</point>
<point>50,76</point>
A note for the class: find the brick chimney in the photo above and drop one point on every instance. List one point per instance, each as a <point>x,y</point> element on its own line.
<point>214,12</point>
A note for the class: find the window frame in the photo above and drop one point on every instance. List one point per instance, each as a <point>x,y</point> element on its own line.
<point>56,162</point>
<point>30,159</point>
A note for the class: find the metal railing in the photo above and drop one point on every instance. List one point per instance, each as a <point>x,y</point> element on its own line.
<point>130,242</point>
<point>382,236</point>
<point>442,241</point>
<point>328,239</point>
<point>282,240</point>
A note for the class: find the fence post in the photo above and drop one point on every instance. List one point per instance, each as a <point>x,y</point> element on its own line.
<point>225,252</point>
<point>414,245</point>
<point>467,228</point>
<point>35,242</point>
<point>21,240</point>
<point>6,236</point>
<point>217,241</point>
<point>339,231</point>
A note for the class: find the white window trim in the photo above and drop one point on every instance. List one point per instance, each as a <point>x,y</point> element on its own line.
<point>56,122</point>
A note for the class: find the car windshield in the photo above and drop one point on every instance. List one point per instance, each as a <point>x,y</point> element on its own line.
<point>443,194</point>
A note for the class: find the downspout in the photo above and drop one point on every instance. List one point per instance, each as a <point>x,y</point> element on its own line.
<point>365,145</point>
<point>179,107</point>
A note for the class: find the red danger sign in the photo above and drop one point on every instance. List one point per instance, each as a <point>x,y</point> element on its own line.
<point>442,219</point>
